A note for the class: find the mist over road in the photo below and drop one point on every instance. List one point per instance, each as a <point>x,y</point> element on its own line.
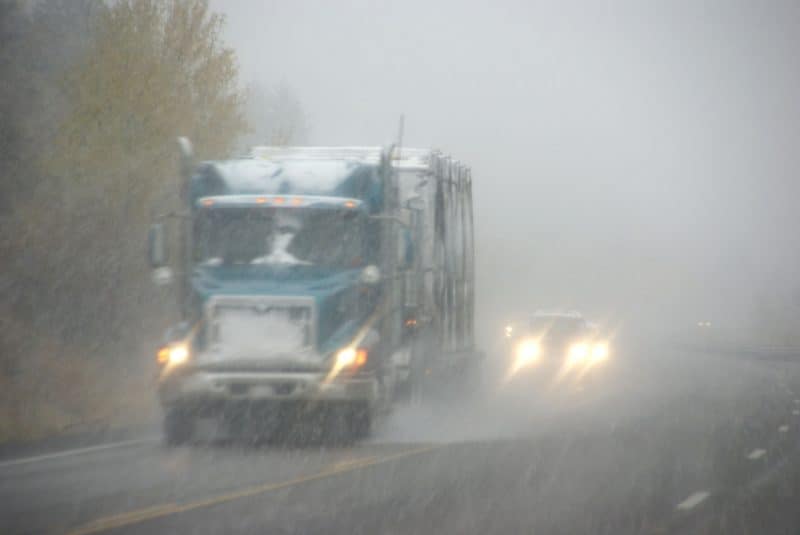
<point>636,161</point>
<point>664,440</point>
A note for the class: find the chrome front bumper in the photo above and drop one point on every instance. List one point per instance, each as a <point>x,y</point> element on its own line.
<point>208,386</point>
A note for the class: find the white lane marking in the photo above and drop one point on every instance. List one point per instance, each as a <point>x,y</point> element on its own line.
<point>693,500</point>
<point>756,454</point>
<point>79,451</point>
<point>783,429</point>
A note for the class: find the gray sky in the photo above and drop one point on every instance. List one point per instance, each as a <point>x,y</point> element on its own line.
<point>630,158</point>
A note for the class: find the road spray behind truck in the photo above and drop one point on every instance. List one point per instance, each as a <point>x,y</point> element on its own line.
<point>314,283</point>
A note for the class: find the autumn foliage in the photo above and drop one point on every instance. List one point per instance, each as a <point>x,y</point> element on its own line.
<point>88,157</point>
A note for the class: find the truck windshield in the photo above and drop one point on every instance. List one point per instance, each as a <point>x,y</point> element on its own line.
<point>279,237</point>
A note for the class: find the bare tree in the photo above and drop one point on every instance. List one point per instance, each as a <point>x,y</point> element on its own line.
<point>276,116</point>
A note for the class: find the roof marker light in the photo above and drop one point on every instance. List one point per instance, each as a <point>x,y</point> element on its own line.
<point>207,202</point>
<point>297,201</point>
<point>261,200</point>
<point>279,200</point>
<point>350,204</point>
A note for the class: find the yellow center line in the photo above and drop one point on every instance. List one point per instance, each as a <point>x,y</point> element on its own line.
<point>351,462</point>
<point>158,511</point>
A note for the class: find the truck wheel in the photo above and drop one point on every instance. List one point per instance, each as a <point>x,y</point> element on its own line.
<point>360,422</point>
<point>178,427</point>
<point>337,425</point>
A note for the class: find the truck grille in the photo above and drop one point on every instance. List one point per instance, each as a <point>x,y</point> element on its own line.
<point>246,327</point>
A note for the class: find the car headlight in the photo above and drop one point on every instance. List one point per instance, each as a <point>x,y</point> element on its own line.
<point>578,353</point>
<point>527,352</point>
<point>173,355</point>
<point>599,352</point>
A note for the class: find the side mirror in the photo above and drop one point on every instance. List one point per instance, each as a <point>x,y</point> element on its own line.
<point>157,246</point>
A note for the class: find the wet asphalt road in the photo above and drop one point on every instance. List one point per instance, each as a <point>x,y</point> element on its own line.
<point>661,441</point>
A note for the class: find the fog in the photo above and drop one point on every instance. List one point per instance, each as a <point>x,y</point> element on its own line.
<point>634,160</point>
<point>196,342</point>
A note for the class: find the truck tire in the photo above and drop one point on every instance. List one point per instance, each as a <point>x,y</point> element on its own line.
<point>360,422</point>
<point>337,424</point>
<point>178,427</point>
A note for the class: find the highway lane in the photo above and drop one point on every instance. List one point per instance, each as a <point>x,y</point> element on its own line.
<point>664,442</point>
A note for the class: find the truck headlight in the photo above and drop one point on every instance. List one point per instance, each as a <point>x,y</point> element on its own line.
<point>350,357</point>
<point>173,355</point>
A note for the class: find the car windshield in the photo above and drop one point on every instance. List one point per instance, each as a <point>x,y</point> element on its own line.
<point>279,237</point>
<point>557,327</point>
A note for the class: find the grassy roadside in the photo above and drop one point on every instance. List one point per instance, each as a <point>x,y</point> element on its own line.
<point>54,391</point>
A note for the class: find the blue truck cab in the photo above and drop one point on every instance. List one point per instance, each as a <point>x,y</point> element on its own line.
<point>305,276</point>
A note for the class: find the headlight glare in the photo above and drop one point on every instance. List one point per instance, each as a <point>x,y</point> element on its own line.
<point>178,354</point>
<point>527,351</point>
<point>578,353</point>
<point>346,357</point>
<point>351,357</point>
<point>173,355</point>
<point>600,352</point>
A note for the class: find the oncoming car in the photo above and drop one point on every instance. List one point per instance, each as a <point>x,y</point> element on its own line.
<point>554,344</point>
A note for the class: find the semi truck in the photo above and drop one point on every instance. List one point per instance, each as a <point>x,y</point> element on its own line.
<point>314,283</point>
